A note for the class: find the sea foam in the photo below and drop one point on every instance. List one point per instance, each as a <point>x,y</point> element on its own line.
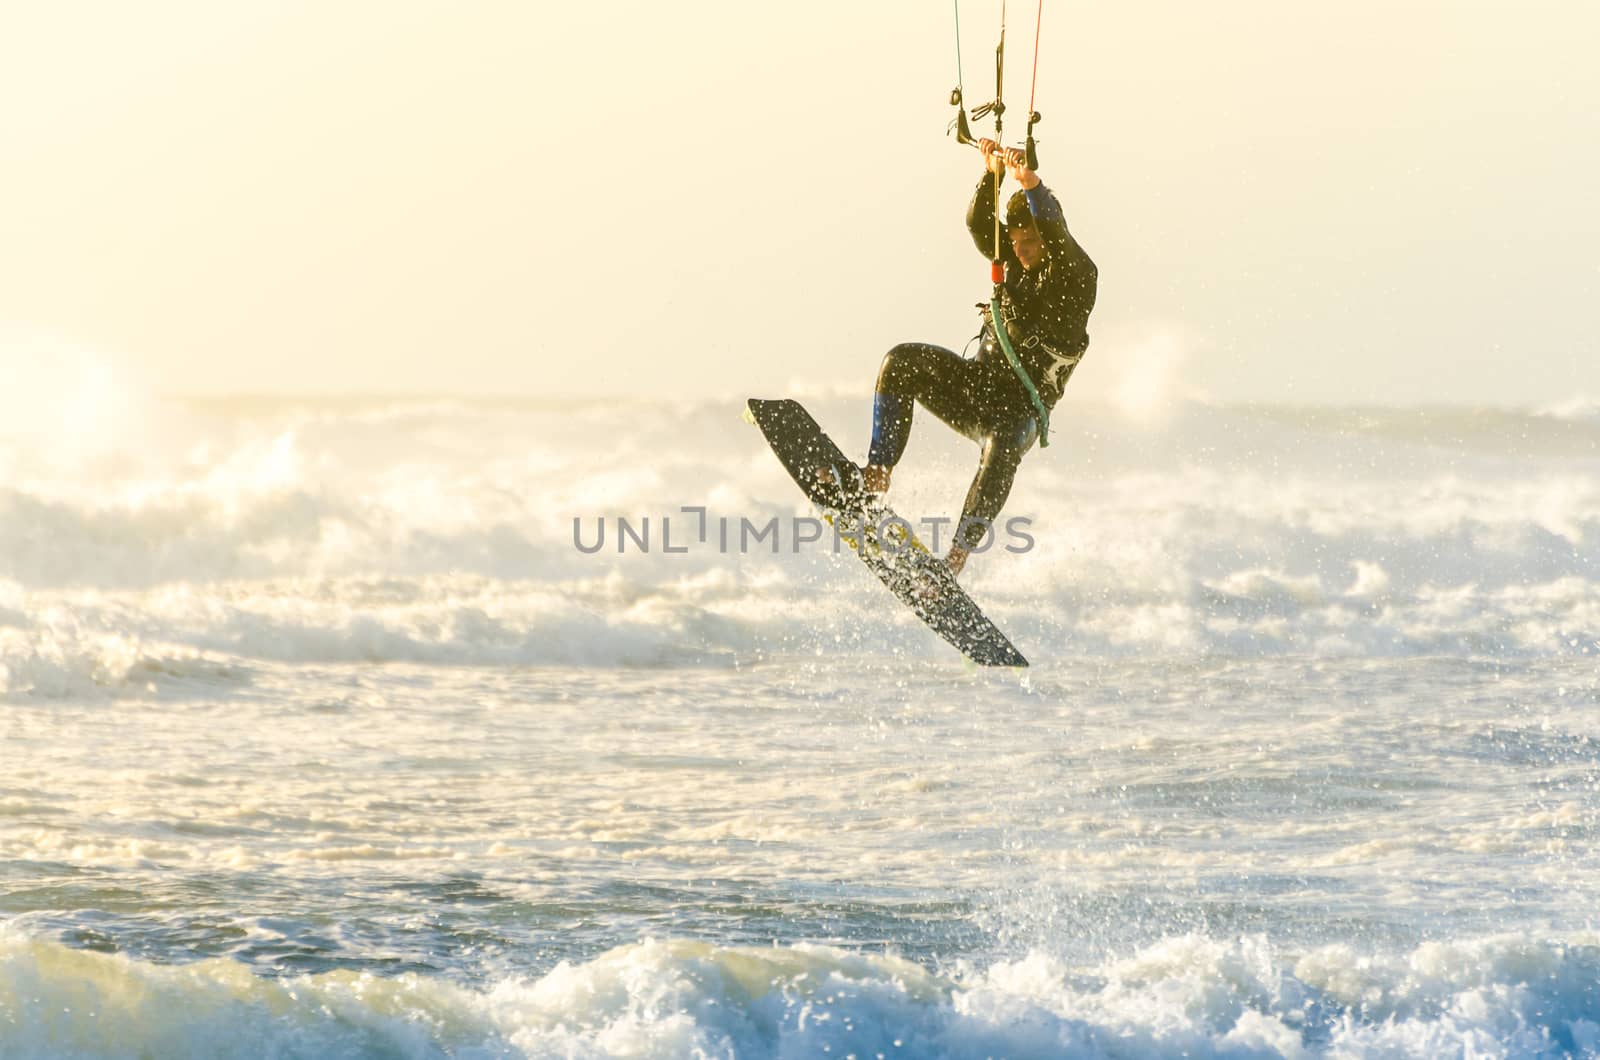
<point>1509,996</point>
<point>444,532</point>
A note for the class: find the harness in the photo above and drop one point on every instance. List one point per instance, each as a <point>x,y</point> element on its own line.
<point>1061,364</point>
<point>1056,374</point>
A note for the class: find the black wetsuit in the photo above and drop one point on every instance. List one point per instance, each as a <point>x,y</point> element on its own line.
<point>1046,313</point>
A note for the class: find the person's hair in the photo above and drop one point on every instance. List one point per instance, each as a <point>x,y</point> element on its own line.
<point>1017,212</point>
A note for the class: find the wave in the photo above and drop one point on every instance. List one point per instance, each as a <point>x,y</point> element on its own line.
<point>1580,409</point>
<point>443,532</point>
<point>1512,996</point>
<point>180,640</point>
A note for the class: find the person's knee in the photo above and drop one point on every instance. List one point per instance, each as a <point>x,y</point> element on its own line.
<point>1022,436</point>
<point>901,366</point>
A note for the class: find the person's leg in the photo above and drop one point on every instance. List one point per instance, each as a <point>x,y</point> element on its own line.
<point>942,381</point>
<point>997,468</point>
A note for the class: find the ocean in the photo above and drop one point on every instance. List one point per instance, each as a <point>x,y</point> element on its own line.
<point>467,728</point>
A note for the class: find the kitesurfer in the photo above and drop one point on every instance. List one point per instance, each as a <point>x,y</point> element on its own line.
<point>1045,301</point>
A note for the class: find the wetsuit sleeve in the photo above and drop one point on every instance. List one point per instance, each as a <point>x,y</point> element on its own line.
<point>980,222</point>
<point>1052,222</point>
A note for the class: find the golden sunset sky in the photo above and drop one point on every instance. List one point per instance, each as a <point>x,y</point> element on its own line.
<point>1368,201</point>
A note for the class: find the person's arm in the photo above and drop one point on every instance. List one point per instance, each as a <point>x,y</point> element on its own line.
<point>980,219</point>
<point>981,211</point>
<point>1048,216</point>
<point>1052,225</point>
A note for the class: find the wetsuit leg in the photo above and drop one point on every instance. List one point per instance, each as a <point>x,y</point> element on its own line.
<point>942,381</point>
<point>997,468</point>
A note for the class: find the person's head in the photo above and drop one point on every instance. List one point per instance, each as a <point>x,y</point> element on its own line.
<point>1026,241</point>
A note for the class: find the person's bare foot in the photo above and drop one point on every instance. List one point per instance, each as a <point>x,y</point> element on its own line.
<point>956,559</point>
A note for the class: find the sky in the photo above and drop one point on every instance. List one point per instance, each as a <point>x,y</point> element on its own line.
<point>1370,202</point>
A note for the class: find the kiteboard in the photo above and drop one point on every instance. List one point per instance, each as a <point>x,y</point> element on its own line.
<point>885,543</point>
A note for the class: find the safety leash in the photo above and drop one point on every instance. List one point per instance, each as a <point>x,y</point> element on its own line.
<point>1040,413</point>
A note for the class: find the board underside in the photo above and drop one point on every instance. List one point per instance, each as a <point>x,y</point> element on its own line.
<point>921,580</point>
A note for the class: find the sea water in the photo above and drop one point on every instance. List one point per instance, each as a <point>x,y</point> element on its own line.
<point>324,736</point>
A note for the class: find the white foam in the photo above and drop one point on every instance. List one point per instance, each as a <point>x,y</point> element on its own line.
<point>1580,408</point>
<point>261,533</point>
<point>1512,996</point>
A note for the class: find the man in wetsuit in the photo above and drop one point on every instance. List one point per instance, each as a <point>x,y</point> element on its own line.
<point>1045,302</point>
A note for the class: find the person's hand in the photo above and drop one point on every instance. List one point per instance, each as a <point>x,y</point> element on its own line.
<point>997,160</point>
<point>1016,160</point>
<point>993,156</point>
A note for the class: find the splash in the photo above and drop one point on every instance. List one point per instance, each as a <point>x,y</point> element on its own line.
<point>1185,996</point>
<point>70,407</point>
<point>1148,376</point>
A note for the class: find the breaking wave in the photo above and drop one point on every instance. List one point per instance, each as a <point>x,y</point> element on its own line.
<point>446,532</point>
<point>1510,996</point>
